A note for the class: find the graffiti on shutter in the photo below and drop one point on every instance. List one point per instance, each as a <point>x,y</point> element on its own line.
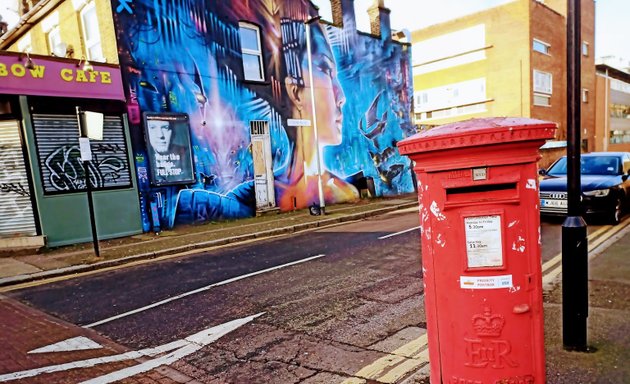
<point>57,138</point>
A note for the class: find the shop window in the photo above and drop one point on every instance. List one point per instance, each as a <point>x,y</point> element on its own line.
<point>91,34</point>
<point>540,46</point>
<point>252,52</point>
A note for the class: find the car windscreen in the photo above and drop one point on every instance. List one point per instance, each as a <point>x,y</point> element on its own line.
<point>591,165</point>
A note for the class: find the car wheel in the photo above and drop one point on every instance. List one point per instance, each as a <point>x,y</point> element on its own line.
<point>615,217</point>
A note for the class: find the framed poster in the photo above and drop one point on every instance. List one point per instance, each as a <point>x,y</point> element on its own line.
<point>169,148</point>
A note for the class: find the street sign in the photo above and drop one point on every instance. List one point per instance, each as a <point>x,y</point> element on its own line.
<point>84,147</point>
<point>92,125</point>
<point>298,123</point>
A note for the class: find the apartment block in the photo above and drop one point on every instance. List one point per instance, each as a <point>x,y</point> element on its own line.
<point>509,60</point>
<point>612,127</point>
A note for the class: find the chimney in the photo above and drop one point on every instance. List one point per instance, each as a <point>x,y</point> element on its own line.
<point>379,20</point>
<point>343,13</point>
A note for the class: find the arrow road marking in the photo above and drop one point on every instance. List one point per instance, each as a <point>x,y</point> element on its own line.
<point>198,290</point>
<point>177,350</point>
<point>74,344</point>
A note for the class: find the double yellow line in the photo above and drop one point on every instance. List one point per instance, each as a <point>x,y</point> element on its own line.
<point>396,364</point>
<point>415,354</point>
<point>553,267</point>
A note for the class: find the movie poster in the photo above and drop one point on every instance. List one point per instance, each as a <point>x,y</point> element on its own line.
<point>169,148</point>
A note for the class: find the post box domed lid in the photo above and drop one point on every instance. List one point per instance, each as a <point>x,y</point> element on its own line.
<point>478,132</point>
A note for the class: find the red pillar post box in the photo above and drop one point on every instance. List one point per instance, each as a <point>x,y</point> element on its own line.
<point>478,196</point>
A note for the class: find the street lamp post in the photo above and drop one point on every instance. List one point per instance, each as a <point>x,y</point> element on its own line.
<point>574,240</point>
<point>320,188</point>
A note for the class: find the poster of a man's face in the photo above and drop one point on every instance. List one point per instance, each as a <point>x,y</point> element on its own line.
<point>160,134</point>
<point>169,148</point>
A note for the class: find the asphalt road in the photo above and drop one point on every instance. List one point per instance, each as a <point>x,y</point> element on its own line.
<point>333,301</point>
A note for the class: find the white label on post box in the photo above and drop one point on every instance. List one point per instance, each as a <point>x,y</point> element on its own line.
<point>484,247</point>
<point>485,282</point>
<point>480,173</point>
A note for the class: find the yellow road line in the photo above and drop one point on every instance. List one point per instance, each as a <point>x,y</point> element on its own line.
<point>556,259</point>
<point>551,274</point>
<point>396,364</point>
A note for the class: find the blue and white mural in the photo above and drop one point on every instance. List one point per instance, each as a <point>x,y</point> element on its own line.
<point>185,56</point>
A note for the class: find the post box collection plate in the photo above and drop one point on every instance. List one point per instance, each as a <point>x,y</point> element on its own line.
<point>484,247</point>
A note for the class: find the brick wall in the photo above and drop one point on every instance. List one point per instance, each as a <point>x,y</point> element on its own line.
<point>549,27</point>
<point>588,73</point>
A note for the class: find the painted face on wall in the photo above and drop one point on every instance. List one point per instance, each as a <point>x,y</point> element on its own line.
<point>329,97</point>
<point>160,134</point>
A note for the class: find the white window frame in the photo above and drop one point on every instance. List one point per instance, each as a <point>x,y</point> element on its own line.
<point>54,38</point>
<point>258,53</point>
<point>585,48</point>
<point>547,47</point>
<point>540,86</point>
<point>584,95</point>
<point>543,97</point>
<point>96,40</point>
<point>25,44</point>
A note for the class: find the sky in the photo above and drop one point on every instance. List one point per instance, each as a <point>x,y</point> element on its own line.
<point>611,18</point>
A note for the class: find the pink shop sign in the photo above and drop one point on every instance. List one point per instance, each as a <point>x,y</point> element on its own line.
<point>59,78</point>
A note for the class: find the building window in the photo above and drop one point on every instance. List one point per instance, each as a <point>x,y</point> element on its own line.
<point>91,34</point>
<point>449,50</point>
<point>542,100</point>
<point>584,95</point>
<point>24,44</point>
<point>542,82</point>
<point>252,52</point>
<point>54,42</point>
<point>619,137</point>
<point>456,99</point>
<point>541,47</point>
<point>451,95</point>
<point>584,48</point>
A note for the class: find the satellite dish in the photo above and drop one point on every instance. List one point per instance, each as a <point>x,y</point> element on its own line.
<point>60,49</point>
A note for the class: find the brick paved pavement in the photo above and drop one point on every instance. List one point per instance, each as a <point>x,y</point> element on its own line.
<point>24,329</point>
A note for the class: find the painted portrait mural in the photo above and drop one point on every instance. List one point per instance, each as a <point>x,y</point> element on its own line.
<point>188,56</point>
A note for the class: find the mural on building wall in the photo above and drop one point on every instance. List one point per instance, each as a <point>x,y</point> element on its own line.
<point>185,57</point>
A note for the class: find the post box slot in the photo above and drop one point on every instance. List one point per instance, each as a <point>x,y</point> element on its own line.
<point>503,192</point>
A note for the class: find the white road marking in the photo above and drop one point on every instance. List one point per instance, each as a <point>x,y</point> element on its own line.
<point>399,233</point>
<point>198,290</point>
<point>74,344</point>
<point>179,348</point>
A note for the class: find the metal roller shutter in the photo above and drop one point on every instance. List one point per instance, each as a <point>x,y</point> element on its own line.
<point>16,209</point>
<point>57,138</point>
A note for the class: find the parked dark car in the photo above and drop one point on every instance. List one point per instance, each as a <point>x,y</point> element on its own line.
<point>605,185</point>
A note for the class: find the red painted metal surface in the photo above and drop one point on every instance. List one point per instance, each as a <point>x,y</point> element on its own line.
<point>478,196</point>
